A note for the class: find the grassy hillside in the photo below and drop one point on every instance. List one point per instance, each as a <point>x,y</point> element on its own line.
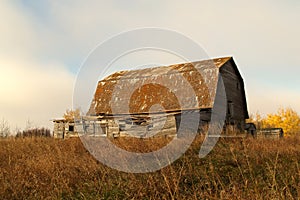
<point>45,168</point>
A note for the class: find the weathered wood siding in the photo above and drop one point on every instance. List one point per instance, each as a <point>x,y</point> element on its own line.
<point>271,133</point>
<point>236,102</point>
<point>59,129</point>
<point>152,127</point>
<point>64,130</point>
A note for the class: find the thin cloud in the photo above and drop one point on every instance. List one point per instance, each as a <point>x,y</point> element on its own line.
<point>40,44</point>
<point>31,90</point>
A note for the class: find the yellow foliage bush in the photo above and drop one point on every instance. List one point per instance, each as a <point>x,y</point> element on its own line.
<point>71,115</point>
<point>287,119</point>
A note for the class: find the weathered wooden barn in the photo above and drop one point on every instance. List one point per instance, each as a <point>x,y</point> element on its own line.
<point>148,102</point>
<point>123,102</point>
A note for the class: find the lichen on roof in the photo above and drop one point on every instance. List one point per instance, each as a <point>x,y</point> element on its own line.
<point>175,87</point>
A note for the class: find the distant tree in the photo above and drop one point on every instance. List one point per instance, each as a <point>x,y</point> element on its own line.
<point>35,132</point>
<point>4,128</point>
<point>287,119</point>
<point>71,115</point>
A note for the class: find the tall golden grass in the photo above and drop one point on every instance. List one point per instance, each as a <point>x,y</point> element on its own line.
<point>47,168</point>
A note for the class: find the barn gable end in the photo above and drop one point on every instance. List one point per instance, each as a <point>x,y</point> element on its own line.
<point>236,100</point>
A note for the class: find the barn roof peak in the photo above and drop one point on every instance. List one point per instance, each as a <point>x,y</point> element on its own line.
<point>161,70</point>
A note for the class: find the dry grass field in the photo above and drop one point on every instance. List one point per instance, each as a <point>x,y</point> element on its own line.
<point>47,168</point>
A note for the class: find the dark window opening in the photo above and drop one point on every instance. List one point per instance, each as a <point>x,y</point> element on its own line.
<point>230,109</point>
<point>104,129</point>
<point>140,121</point>
<point>129,121</point>
<point>122,127</point>
<point>71,128</point>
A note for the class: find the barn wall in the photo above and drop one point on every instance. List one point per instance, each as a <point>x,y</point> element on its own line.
<point>236,104</point>
<point>58,130</point>
<point>156,126</point>
<point>92,127</point>
<point>64,129</point>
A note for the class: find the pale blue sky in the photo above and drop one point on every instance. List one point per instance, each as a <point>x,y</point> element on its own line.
<point>43,44</point>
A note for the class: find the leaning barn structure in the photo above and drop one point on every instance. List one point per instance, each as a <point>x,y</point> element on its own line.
<point>148,102</point>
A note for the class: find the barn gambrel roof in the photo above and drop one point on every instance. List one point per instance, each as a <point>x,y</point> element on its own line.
<point>136,91</point>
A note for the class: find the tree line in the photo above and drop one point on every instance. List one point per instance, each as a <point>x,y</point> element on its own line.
<point>5,131</point>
